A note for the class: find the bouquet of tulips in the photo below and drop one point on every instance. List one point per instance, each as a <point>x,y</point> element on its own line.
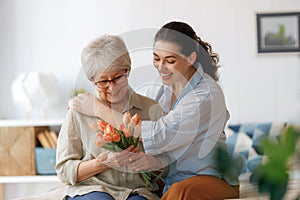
<point>118,139</point>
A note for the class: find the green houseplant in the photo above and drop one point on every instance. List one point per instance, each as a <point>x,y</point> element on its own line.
<point>77,91</point>
<point>272,175</point>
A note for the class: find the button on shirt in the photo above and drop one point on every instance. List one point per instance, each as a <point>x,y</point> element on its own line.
<point>191,129</point>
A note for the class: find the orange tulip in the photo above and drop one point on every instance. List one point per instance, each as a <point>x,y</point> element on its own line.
<point>107,137</point>
<point>136,120</point>
<point>102,125</point>
<point>99,136</point>
<point>109,129</point>
<point>116,137</point>
<point>121,127</point>
<point>126,118</point>
<point>127,132</point>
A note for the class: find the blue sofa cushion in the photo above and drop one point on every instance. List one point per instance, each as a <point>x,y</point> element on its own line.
<point>243,140</point>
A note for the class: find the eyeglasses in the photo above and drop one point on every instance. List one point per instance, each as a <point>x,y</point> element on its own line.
<point>116,80</point>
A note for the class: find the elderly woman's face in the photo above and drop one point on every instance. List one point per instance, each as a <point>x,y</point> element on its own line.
<point>112,86</point>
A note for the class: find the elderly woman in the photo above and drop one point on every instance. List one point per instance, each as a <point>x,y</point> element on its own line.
<point>89,171</point>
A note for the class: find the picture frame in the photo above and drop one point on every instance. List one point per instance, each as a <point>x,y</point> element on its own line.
<point>278,32</point>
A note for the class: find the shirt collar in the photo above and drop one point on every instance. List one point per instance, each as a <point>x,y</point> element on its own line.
<point>134,102</point>
<point>195,79</point>
<point>191,84</point>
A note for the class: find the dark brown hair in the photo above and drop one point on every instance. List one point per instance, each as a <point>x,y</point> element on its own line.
<point>186,38</point>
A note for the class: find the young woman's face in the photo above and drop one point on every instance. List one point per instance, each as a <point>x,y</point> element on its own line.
<point>172,66</point>
<point>112,86</point>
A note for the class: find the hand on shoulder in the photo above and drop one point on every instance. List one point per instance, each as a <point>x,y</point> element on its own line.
<point>85,103</point>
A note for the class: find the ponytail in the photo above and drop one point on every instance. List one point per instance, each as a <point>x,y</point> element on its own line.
<point>208,59</point>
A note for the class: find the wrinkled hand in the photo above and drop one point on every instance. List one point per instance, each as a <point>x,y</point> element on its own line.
<point>144,162</point>
<point>102,157</point>
<point>118,160</point>
<point>85,103</point>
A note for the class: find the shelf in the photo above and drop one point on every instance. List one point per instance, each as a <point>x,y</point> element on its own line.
<point>30,122</point>
<point>29,179</point>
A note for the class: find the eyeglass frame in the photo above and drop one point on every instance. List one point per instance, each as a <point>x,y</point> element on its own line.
<point>113,80</point>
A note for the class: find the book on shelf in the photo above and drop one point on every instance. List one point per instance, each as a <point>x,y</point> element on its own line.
<point>48,139</point>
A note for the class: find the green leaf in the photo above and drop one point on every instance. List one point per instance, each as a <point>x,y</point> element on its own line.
<point>266,185</point>
<point>274,152</point>
<point>147,179</point>
<point>130,140</point>
<point>228,167</point>
<point>274,173</point>
<point>124,142</point>
<point>136,142</point>
<point>109,147</point>
<point>288,142</point>
<point>117,148</point>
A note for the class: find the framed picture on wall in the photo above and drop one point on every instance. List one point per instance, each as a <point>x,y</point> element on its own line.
<point>278,32</point>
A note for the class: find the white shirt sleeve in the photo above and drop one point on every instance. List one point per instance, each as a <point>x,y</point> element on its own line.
<point>178,128</point>
<point>193,119</point>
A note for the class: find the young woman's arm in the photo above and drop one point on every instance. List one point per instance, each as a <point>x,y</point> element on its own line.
<point>89,105</point>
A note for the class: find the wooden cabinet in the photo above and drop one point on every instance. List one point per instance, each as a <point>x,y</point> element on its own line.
<point>17,163</point>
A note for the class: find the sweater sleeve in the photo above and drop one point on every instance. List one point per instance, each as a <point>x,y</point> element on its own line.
<point>69,150</point>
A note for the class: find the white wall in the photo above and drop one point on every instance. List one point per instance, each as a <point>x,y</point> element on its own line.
<point>48,35</point>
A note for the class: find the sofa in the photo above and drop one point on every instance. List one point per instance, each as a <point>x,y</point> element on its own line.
<point>244,141</point>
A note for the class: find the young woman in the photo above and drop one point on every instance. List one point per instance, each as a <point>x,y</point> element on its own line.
<point>196,115</point>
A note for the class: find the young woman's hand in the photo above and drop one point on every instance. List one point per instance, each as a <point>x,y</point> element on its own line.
<point>118,160</point>
<point>86,104</point>
<point>141,162</point>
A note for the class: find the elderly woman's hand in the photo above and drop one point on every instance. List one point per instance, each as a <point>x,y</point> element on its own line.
<point>119,160</point>
<point>86,104</point>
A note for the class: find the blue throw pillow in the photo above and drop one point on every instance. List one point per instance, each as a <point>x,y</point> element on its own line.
<point>254,162</point>
<point>244,140</point>
<point>240,146</point>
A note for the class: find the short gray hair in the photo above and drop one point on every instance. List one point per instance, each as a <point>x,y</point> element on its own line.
<point>105,53</point>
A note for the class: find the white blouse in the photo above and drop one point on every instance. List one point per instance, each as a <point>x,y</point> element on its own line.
<point>191,130</point>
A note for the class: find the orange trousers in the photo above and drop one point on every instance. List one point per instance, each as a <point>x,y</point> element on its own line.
<point>201,187</point>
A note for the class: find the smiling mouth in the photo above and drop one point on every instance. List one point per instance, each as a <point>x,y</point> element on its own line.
<point>166,76</point>
<point>114,93</point>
